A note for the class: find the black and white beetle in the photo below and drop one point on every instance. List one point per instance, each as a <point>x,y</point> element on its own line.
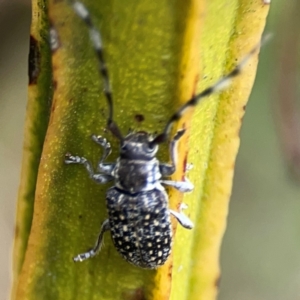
<point>137,204</point>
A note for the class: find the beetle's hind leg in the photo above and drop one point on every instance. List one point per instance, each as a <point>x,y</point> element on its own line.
<point>183,220</point>
<point>91,253</point>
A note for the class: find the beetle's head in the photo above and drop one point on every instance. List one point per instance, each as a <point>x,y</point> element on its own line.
<point>137,145</point>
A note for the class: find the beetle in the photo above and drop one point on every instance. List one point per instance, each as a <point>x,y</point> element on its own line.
<point>137,203</point>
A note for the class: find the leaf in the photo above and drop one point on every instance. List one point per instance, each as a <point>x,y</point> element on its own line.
<point>38,111</point>
<point>153,50</point>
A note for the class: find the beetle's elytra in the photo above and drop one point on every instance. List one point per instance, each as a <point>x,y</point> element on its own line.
<point>137,204</point>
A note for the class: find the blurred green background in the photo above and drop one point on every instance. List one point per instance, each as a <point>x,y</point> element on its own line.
<point>260,254</point>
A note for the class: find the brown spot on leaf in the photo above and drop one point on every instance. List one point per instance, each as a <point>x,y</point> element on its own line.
<point>54,84</point>
<point>184,166</point>
<point>17,231</point>
<point>53,107</point>
<point>139,118</point>
<point>170,271</point>
<point>34,60</point>
<point>218,281</point>
<point>196,79</point>
<point>137,294</point>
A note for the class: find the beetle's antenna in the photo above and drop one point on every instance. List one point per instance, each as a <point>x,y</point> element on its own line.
<point>96,39</point>
<point>218,86</point>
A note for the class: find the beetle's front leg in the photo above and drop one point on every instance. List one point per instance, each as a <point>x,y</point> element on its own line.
<point>169,169</point>
<point>106,168</point>
<point>99,178</point>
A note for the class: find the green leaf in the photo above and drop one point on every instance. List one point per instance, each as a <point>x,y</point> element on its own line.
<point>156,52</point>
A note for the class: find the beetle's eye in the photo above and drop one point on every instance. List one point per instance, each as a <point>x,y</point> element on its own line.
<point>124,147</point>
<point>148,148</point>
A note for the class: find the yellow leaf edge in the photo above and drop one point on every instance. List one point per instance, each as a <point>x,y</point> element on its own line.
<point>248,24</point>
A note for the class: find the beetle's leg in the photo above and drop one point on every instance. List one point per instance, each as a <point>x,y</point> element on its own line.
<point>182,186</point>
<point>183,220</point>
<point>83,256</point>
<point>106,168</point>
<point>99,178</point>
<point>169,169</point>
